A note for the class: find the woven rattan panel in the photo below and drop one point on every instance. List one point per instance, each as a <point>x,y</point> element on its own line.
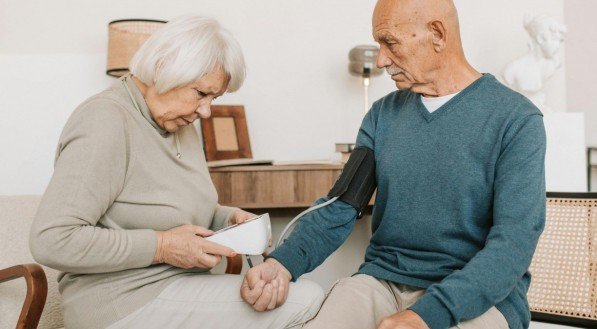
<point>564,268</point>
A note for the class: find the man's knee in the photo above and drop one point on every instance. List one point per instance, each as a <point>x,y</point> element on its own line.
<point>307,296</point>
<point>360,301</point>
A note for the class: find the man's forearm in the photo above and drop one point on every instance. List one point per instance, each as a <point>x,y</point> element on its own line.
<point>317,235</point>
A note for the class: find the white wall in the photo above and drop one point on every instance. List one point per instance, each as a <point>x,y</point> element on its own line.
<point>581,73</point>
<point>298,92</point>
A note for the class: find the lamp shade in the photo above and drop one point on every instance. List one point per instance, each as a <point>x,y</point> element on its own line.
<point>362,61</point>
<point>125,37</point>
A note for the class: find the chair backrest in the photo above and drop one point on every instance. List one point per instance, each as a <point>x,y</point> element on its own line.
<point>16,216</point>
<point>564,268</point>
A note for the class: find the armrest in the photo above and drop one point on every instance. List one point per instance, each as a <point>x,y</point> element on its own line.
<point>37,290</point>
<point>234,264</point>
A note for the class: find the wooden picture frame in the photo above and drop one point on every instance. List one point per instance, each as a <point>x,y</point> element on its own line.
<point>225,133</point>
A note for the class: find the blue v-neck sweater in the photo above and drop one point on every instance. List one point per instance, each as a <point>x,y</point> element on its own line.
<point>459,208</point>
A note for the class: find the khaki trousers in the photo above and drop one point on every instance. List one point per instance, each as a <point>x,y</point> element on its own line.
<point>362,302</point>
<point>213,301</point>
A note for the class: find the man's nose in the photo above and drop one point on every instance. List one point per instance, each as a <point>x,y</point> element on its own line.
<point>383,60</point>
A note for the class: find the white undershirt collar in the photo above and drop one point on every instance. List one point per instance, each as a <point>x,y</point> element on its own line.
<point>434,103</point>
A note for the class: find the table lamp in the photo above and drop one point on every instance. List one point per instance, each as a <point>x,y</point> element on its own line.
<point>125,37</point>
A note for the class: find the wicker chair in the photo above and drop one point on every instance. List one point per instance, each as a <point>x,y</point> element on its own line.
<point>564,268</point>
<point>16,215</point>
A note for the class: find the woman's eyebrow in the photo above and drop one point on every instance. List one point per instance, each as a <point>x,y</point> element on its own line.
<point>207,90</point>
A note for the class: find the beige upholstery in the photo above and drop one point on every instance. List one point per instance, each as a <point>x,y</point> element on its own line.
<point>16,215</point>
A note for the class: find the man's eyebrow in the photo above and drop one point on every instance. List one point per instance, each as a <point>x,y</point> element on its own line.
<point>385,37</point>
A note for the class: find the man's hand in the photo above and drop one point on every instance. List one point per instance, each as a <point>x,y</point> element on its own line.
<point>240,216</point>
<point>265,286</point>
<point>403,320</point>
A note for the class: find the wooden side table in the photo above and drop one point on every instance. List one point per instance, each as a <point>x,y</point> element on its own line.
<point>259,187</point>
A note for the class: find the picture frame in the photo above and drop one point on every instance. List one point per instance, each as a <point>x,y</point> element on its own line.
<point>225,133</point>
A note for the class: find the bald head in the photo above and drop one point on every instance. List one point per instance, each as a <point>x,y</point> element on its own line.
<point>417,14</point>
<point>419,41</point>
<point>423,10</point>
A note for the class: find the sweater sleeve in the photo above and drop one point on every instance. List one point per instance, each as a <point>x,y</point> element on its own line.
<point>319,233</point>
<point>518,220</point>
<point>89,173</point>
<point>221,217</point>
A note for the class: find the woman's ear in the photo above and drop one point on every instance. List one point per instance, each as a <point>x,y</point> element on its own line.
<point>438,32</point>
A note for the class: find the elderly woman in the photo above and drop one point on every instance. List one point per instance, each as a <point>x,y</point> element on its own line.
<point>131,200</point>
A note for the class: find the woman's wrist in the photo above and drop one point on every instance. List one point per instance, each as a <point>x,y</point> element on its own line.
<point>158,258</point>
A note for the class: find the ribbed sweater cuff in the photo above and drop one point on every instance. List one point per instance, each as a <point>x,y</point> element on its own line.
<point>291,259</point>
<point>143,247</point>
<point>433,312</point>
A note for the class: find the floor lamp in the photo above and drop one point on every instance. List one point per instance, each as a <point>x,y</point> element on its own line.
<point>362,63</point>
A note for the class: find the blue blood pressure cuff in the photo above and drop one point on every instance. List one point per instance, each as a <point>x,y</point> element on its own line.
<point>356,183</point>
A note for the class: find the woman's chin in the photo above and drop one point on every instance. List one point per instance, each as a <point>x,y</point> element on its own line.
<point>171,127</point>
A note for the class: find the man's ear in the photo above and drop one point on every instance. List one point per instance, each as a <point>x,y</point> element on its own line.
<point>438,32</point>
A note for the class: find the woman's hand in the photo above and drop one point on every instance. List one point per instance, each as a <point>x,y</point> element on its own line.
<point>240,216</point>
<point>185,247</point>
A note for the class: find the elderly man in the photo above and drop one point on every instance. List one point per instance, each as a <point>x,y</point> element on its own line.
<point>460,199</point>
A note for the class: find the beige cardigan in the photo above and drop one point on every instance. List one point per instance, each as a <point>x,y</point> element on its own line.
<point>116,181</point>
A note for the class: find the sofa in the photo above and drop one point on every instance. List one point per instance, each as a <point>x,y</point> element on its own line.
<point>16,214</point>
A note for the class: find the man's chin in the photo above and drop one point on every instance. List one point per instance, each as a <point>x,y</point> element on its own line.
<point>403,85</point>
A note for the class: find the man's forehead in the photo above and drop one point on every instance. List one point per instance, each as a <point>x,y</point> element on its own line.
<point>392,15</point>
<point>390,29</point>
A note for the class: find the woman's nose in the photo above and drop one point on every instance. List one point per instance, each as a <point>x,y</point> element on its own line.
<point>204,110</point>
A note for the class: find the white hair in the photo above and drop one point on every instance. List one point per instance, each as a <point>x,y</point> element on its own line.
<point>186,49</point>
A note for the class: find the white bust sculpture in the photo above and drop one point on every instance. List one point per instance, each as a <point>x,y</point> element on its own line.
<point>529,73</point>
